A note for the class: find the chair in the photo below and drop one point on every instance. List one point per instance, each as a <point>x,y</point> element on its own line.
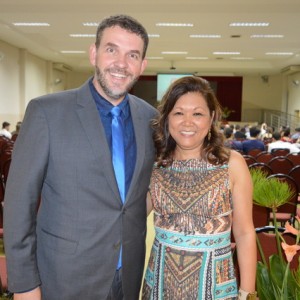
<point>280,151</point>
<point>294,158</point>
<point>287,211</point>
<point>267,238</point>
<point>264,157</point>
<point>260,215</point>
<point>295,174</point>
<point>263,167</point>
<point>254,152</point>
<point>280,164</point>
<point>5,169</point>
<point>249,159</point>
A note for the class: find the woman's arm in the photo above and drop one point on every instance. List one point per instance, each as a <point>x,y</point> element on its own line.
<point>149,204</point>
<point>243,228</point>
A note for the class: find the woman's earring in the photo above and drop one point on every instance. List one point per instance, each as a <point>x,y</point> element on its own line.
<point>209,135</point>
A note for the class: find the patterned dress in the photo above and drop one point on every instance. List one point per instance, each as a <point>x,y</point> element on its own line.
<point>191,255</point>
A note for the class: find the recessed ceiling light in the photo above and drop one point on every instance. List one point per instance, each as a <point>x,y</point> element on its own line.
<point>266,36</point>
<point>31,24</point>
<point>226,53</point>
<point>196,57</point>
<point>205,36</point>
<point>90,24</point>
<point>279,53</point>
<point>175,24</point>
<point>249,24</point>
<point>82,35</point>
<point>153,35</point>
<point>72,51</point>
<point>174,52</point>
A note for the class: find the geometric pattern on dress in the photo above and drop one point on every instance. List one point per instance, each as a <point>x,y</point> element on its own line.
<point>192,206</point>
<point>183,264</point>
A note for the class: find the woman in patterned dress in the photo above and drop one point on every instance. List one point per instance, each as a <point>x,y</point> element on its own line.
<point>200,192</point>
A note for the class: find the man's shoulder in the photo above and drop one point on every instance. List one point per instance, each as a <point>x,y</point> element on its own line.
<point>141,103</point>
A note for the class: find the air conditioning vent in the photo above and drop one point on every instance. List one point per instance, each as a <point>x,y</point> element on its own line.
<point>62,67</point>
<point>290,70</point>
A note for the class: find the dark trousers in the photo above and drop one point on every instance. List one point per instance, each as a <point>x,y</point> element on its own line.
<point>116,291</point>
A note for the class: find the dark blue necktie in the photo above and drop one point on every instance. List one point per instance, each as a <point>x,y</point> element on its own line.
<point>118,155</point>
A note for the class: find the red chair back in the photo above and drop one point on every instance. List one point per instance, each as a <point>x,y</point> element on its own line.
<point>264,157</point>
<point>249,159</point>
<point>263,167</point>
<point>294,158</point>
<point>280,164</point>
<point>280,151</point>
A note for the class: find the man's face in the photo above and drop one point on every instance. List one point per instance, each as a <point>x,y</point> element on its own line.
<point>118,63</point>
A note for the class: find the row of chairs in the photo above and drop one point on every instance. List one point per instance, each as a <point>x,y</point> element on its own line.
<point>278,164</point>
<point>287,212</point>
<point>265,156</point>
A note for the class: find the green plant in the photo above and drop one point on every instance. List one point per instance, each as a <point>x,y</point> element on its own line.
<point>226,112</point>
<point>276,281</point>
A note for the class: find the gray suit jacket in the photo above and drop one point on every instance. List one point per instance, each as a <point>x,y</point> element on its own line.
<point>71,246</point>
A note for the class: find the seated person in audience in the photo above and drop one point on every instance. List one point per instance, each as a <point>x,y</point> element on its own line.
<point>268,136</point>
<point>279,144</point>
<point>239,135</point>
<point>230,142</point>
<point>296,135</point>
<point>253,142</point>
<point>286,135</point>
<point>263,130</point>
<point>5,130</point>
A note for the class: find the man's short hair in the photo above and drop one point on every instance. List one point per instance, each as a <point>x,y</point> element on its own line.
<point>276,136</point>
<point>5,124</point>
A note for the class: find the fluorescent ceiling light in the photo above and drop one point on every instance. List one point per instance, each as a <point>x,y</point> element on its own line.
<point>266,36</point>
<point>205,36</point>
<point>196,57</point>
<point>174,52</point>
<point>72,51</point>
<point>31,24</point>
<point>279,53</point>
<point>242,58</point>
<point>154,57</point>
<point>81,35</point>
<point>90,24</point>
<point>175,24</point>
<point>226,53</point>
<point>153,35</point>
<point>249,24</point>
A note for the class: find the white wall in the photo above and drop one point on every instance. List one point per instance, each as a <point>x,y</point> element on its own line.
<point>24,76</point>
<point>9,84</point>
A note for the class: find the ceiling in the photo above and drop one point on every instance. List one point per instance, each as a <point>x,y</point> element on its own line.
<point>208,17</point>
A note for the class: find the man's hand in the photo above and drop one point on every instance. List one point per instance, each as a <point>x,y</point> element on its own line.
<point>31,295</point>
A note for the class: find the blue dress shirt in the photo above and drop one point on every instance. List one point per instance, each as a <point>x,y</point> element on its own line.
<point>104,107</point>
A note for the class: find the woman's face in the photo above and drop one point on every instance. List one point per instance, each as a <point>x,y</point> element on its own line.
<point>189,123</point>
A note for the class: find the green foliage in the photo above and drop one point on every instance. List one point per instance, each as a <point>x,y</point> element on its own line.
<point>275,280</point>
<point>226,112</point>
<point>269,192</point>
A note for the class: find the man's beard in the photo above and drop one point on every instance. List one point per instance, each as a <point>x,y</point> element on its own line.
<point>100,77</point>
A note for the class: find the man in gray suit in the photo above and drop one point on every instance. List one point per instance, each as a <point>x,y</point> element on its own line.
<point>82,242</point>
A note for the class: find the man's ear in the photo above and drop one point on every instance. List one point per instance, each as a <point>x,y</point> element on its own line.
<point>92,54</point>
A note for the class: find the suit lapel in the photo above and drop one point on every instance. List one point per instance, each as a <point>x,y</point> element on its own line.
<point>92,125</point>
<point>139,131</point>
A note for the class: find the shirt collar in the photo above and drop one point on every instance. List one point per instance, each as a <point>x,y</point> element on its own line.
<point>104,106</point>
